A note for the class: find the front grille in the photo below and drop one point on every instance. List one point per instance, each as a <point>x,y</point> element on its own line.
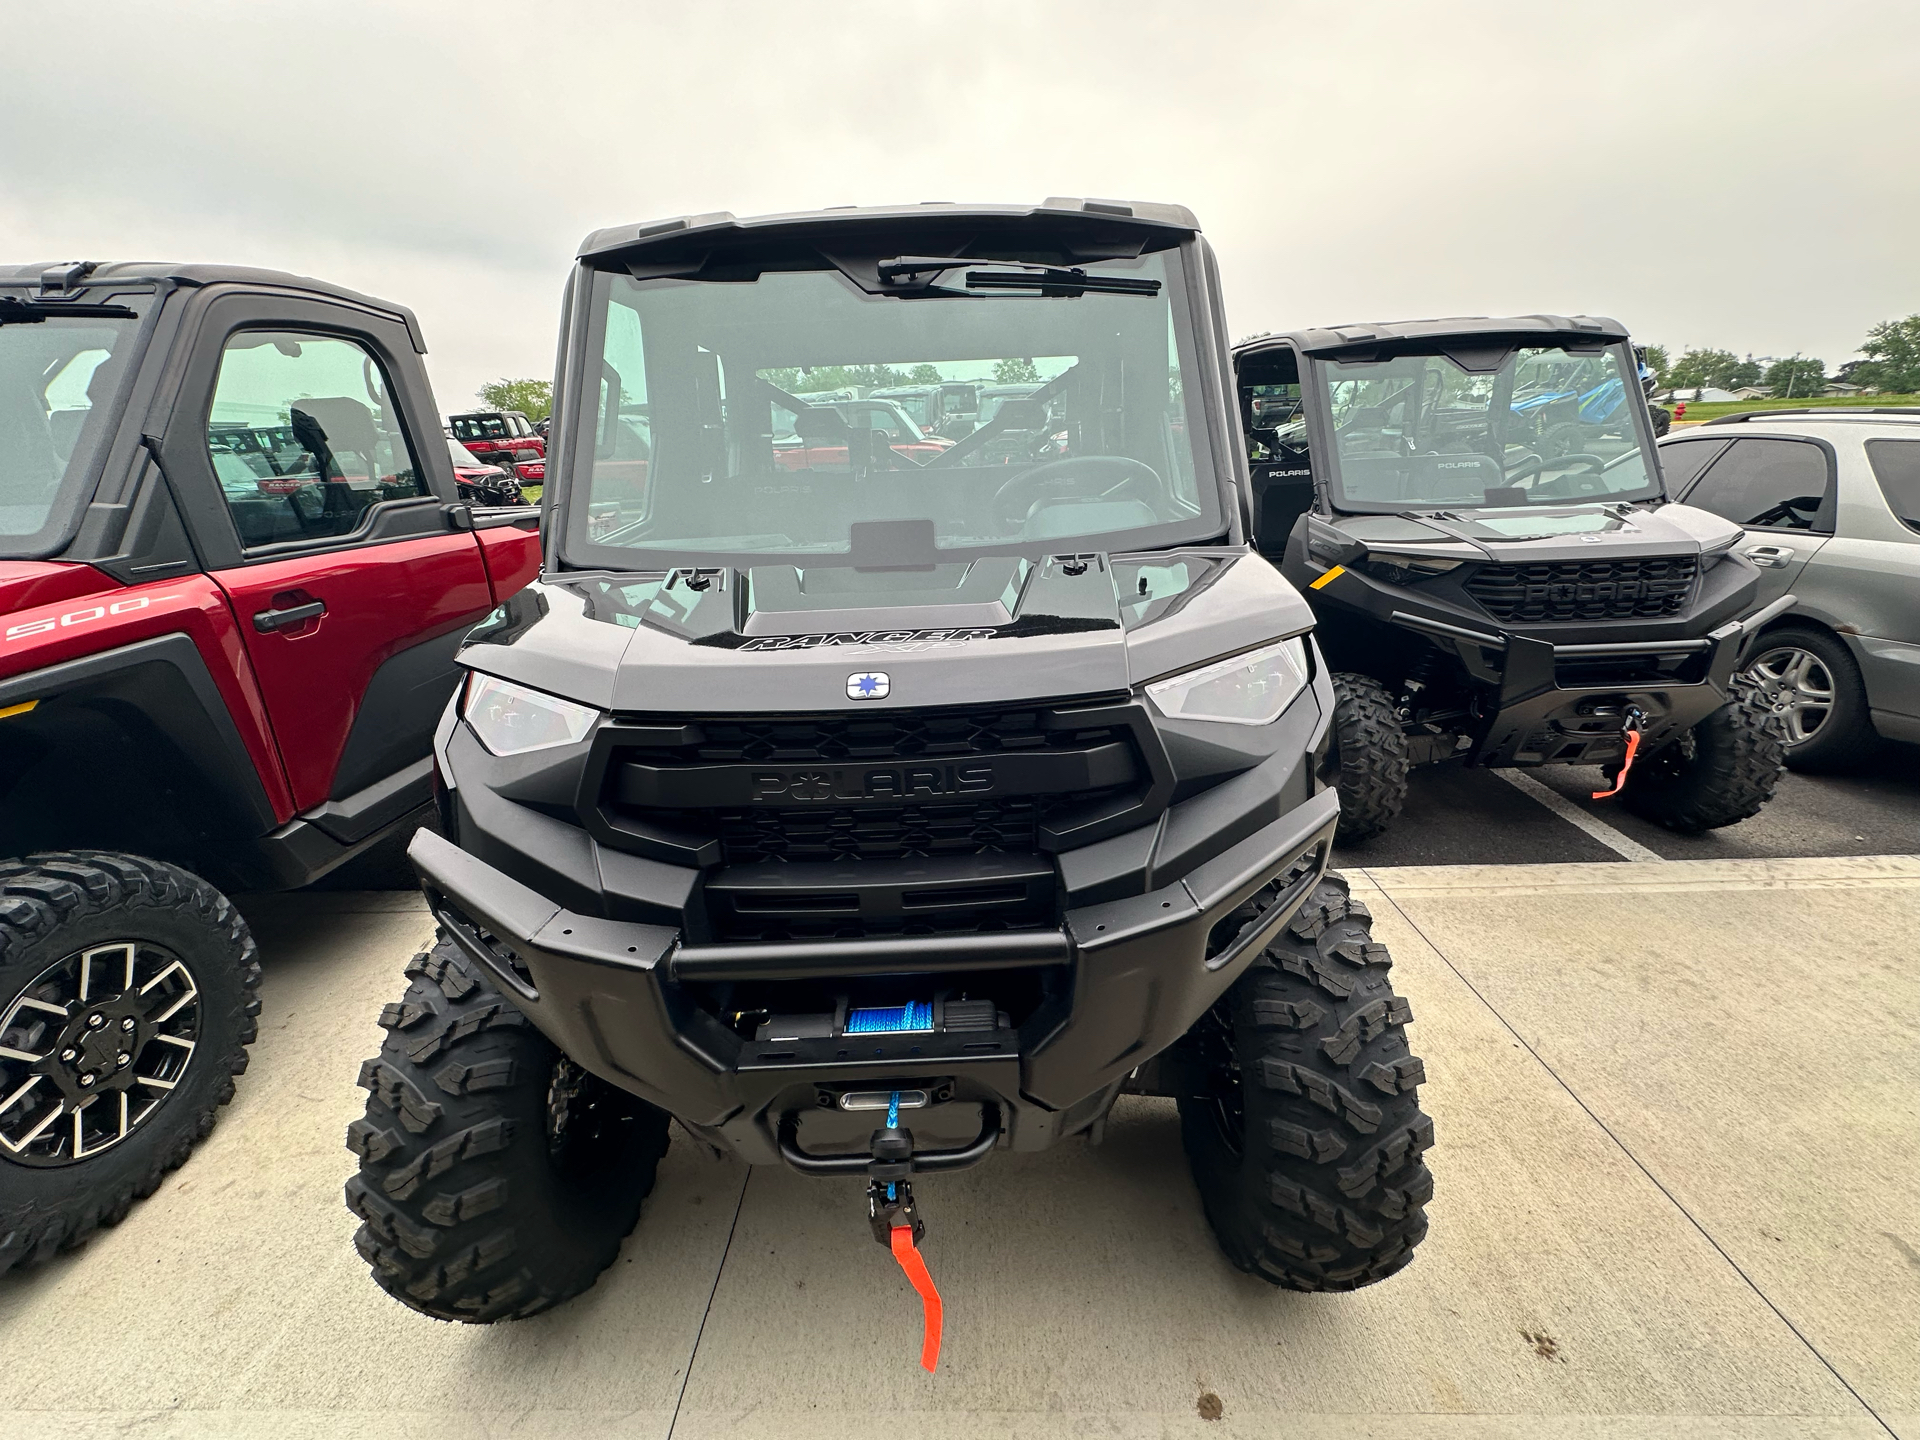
<point>970,798</point>
<point>894,735</point>
<point>1643,589</point>
<point>900,832</point>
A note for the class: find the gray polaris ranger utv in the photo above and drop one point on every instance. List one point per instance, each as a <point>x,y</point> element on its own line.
<point>1475,511</point>
<point>868,803</point>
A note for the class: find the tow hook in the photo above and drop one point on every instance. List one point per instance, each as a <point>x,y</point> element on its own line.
<point>1631,726</point>
<point>896,1221</point>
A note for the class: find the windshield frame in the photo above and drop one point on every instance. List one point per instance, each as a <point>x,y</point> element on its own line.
<point>1196,336</point>
<point>1317,406</point>
<point>78,486</point>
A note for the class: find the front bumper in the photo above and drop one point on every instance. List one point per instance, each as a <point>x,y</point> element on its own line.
<point>1566,704</point>
<point>620,997</point>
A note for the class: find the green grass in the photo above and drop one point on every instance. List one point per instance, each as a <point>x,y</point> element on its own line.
<point>1736,407</point>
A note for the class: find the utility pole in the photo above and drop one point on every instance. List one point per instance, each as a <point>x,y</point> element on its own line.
<point>1793,373</point>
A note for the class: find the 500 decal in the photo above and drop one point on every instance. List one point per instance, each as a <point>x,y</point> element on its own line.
<point>82,617</point>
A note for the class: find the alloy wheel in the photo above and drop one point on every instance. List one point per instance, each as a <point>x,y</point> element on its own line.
<point>91,1048</point>
<point>1798,687</point>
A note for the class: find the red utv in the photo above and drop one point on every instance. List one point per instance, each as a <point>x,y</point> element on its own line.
<point>235,566</point>
<point>498,437</point>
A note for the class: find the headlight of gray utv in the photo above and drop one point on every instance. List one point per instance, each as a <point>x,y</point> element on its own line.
<point>1249,689</point>
<point>511,720</point>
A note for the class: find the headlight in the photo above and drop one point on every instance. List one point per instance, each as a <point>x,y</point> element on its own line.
<point>1398,569</point>
<point>1250,689</point>
<point>511,720</point>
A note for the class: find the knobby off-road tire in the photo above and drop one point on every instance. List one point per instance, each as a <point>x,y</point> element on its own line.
<point>1719,772</point>
<point>71,914</point>
<point>1372,750</point>
<point>497,1178</point>
<point>1307,1152</point>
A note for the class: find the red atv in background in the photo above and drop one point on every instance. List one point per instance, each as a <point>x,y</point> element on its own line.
<point>234,570</point>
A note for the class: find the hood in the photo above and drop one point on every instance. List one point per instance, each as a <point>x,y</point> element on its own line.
<point>1520,535</point>
<point>782,638</point>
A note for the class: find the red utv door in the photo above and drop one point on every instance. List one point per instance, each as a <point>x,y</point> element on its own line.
<point>320,495</point>
<point>354,692</point>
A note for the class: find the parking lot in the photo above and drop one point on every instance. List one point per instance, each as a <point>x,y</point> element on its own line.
<point>1675,1197</point>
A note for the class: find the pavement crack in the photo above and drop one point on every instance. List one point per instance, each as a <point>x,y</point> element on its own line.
<point>1640,1165</point>
<point>693,1354</point>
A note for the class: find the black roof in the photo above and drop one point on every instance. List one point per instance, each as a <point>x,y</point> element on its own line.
<point>1095,223</point>
<point>1335,338</point>
<point>80,274</point>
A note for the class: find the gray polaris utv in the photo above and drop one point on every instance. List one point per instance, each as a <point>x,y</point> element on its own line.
<point>868,807</point>
<point>1476,514</point>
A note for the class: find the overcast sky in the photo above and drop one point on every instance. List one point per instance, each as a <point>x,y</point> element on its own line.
<point>1737,175</point>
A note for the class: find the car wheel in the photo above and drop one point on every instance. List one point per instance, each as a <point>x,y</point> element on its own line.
<point>1811,683</point>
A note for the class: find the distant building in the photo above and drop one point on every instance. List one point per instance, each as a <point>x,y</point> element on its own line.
<point>1753,392</point>
<point>1707,395</point>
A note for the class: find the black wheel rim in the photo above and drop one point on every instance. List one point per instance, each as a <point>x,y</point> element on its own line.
<point>92,1048</point>
<point>1225,1097</point>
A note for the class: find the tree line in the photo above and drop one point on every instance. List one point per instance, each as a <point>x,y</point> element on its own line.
<point>1892,365</point>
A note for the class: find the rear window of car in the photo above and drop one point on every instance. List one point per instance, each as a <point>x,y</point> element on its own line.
<point>1896,465</point>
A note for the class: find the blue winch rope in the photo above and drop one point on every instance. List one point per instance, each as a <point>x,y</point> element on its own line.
<point>890,1019</point>
<point>893,1123</point>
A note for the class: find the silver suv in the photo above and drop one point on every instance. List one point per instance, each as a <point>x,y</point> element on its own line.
<point>1830,500</point>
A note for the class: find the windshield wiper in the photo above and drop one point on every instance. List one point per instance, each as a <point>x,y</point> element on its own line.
<point>1050,280</point>
<point>14,311</point>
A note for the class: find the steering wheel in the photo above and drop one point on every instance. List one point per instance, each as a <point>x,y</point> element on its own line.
<point>1527,464</point>
<point>1013,500</point>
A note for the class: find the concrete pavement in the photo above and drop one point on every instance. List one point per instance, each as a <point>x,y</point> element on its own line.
<point>1676,1196</point>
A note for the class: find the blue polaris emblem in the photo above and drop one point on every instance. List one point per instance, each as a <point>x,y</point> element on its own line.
<point>868,685</point>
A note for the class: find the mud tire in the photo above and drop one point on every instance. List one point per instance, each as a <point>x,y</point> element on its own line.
<point>1308,1149</point>
<point>1372,750</point>
<point>474,1206</point>
<point>1720,772</point>
<point>54,905</point>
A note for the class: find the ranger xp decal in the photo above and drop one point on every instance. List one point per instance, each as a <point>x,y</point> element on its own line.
<point>889,639</point>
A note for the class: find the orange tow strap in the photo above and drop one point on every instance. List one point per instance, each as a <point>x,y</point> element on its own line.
<point>901,1243</point>
<point>1633,744</point>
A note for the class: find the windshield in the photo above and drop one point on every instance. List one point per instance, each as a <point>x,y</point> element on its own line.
<point>468,427</point>
<point>1532,426</point>
<point>465,458</point>
<point>57,375</point>
<point>736,421</point>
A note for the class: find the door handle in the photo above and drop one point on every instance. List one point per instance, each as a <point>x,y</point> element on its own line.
<point>268,621</point>
<point>1769,557</point>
